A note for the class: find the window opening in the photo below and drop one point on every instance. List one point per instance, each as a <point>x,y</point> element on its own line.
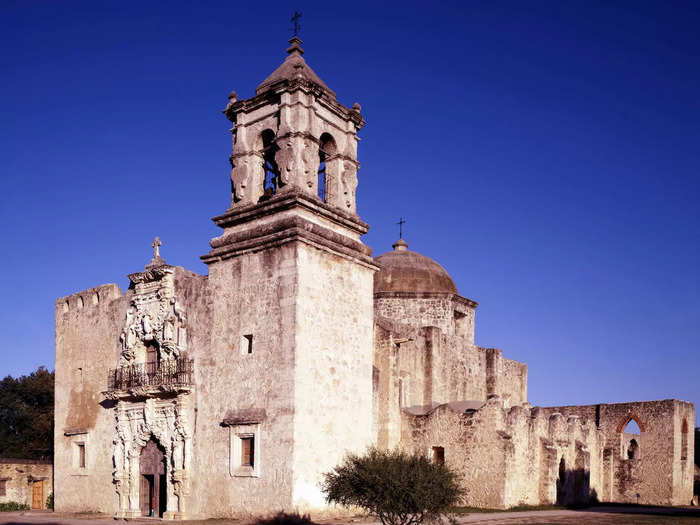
<point>322,175</point>
<point>3,487</point>
<point>684,440</point>
<point>81,455</point>
<point>439,455</point>
<point>247,344</point>
<point>247,452</point>
<point>151,359</point>
<point>630,439</point>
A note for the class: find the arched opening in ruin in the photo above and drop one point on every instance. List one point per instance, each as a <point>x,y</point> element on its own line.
<point>152,480</point>
<point>631,431</point>
<point>561,482</point>
<point>684,439</point>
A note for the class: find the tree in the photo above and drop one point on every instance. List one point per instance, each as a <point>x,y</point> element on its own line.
<point>397,487</point>
<point>26,415</point>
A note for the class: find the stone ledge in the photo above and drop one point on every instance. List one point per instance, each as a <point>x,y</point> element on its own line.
<point>426,295</point>
<point>287,198</point>
<point>286,230</point>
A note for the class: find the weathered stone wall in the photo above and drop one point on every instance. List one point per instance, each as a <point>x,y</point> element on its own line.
<point>20,477</point>
<point>88,324</point>
<point>254,295</point>
<point>513,382</point>
<point>658,473</point>
<point>333,367</point>
<point>434,311</point>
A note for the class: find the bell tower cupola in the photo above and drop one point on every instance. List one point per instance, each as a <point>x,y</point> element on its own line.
<point>294,135</point>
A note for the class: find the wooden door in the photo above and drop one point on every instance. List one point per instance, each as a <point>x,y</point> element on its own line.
<point>37,494</point>
<point>152,471</point>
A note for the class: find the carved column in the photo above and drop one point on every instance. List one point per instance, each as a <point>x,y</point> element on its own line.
<point>134,508</point>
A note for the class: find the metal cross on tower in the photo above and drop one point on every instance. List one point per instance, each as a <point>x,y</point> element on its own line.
<point>401,223</point>
<point>295,21</point>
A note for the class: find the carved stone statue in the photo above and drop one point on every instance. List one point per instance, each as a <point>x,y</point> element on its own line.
<point>286,161</point>
<point>310,162</point>
<point>349,183</point>
<point>240,177</point>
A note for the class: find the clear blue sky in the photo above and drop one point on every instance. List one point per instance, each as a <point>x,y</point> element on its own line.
<point>547,154</point>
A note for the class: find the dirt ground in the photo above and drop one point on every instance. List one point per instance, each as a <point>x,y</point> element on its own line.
<point>592,516</point>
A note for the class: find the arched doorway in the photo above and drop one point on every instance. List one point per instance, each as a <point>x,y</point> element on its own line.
<point>152,486</point>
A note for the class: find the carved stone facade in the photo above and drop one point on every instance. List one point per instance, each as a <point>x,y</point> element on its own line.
<point>136,423</point>
<point>231,393</point>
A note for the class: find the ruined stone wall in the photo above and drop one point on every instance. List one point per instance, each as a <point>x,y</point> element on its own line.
<point>88,324</point>
<point>513,382</point>
<point>20,477</point>
<point>249,295</point>
<point>511,456</point>
<point>658,473</point>
<point>333,367</point>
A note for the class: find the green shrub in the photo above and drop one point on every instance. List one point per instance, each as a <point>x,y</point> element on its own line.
<point>13,505</point>
<point>49,501</point>
<point>394,486</point>
<point>284,518</point>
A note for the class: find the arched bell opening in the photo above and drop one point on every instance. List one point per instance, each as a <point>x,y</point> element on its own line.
<point>271,181</point>
<point>326,152</point>
<point>153,499</point>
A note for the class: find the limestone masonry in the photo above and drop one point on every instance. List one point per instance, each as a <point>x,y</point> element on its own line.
<point>231,393</point>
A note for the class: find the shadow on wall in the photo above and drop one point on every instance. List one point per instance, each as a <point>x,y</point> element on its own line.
<point>574,487</point>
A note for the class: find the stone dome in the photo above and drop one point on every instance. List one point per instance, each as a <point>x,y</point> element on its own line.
<point>405,271</point>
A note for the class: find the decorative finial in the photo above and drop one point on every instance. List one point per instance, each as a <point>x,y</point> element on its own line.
<point>401,223</point>
<point>295,21</point>
<point>156,248</point>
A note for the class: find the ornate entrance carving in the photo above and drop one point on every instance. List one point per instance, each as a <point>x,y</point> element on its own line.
<point>151,387</point>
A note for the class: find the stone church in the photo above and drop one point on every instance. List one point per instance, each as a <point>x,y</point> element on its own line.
<point>230,393</point>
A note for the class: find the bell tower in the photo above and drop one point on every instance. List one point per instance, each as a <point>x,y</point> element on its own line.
<point>294,135</point>
<point>291,284</point>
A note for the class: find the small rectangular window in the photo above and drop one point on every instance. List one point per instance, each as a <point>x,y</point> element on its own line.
<point>247,344</point>
<point>81,455</point>
<point>247,452</point>
<point>3,487</point>
<point>439,455</point>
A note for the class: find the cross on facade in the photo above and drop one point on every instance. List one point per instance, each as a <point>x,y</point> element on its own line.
<point>401,223</point>
<point>156,248</point>
<point>295,21</point>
